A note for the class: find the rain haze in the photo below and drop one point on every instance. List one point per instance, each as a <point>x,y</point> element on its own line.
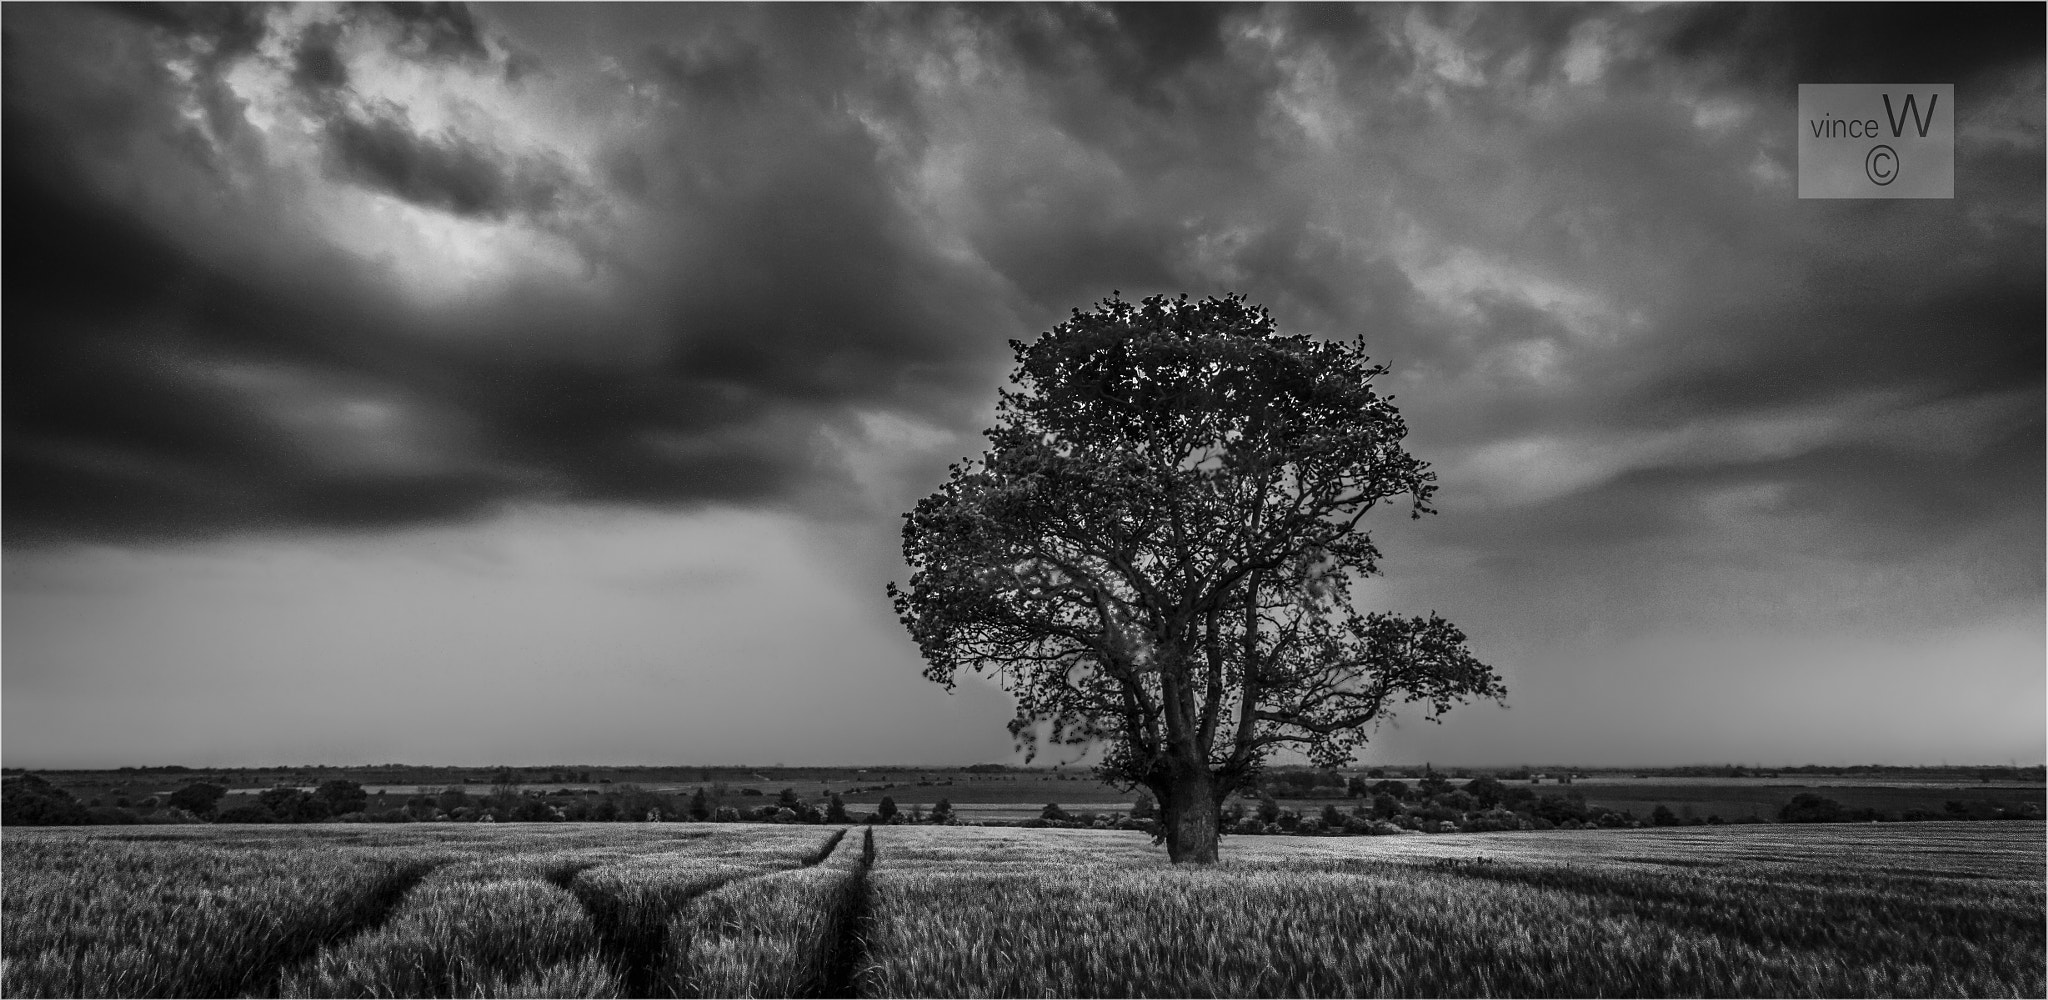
<point>545,384</point>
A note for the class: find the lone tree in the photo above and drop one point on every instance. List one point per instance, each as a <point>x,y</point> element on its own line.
<point>1155,554</point>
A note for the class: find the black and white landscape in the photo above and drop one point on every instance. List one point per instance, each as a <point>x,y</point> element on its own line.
<point>564,416</point>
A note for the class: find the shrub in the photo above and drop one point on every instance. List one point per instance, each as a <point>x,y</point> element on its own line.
<point>1269,810</point>
<point>1435,813</point>
<point>535,811</point>
<point>29,800</point>
<point>292,805</point>
<point>1807,807</point>
<point>245,812</point>
<point>1487,792</point>
<point>1491,820</point>
<point>1558,809</point>
<point>200,798</point>
<point>342,796</point>
<point>1981,809</point>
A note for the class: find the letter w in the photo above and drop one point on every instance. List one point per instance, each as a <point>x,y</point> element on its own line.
<point>1908,108</point>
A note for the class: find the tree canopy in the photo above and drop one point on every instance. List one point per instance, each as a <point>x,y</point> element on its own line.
<point>1156,552</point>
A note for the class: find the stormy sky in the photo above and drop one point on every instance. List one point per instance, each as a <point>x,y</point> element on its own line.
<point>544,383</point>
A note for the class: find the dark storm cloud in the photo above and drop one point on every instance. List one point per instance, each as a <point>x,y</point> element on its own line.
<point>109,435</point>
<point>731,72</point>
<point>1136,50</point>
<point>814,214</point>
<point>441,30</point>
<point>317,66</point>
<point>451,173</point>
<point>157,391</point>
<point>227,30</point>
<point>1773,46</point>
<point>103,436</point>
<point>1917,295</point>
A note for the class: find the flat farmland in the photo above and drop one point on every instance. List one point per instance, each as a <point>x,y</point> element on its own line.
<point>678,909</point>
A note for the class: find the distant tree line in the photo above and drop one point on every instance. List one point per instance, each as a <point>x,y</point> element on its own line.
<point>30,800</point>
<point>1435,804</point>
<point>1432,804</point>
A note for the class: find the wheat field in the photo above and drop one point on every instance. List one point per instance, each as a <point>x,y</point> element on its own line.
<point>689,910</point>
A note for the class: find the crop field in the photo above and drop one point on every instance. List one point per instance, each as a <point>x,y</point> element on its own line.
<point>677,909</point>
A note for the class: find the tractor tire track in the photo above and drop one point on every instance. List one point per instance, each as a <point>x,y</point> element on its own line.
<point>847,936</point>
<point>371,913</point>
<point>633,939</point>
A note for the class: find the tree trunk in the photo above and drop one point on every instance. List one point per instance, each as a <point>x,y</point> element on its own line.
<point>1189,814</point>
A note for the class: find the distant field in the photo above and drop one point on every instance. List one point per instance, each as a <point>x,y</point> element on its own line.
<point>673,909</point>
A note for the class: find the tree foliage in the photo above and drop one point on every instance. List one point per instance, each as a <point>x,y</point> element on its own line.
<point>1156,552</point>
<point>30,800</point>
<point>342,796</point>
<point>199,798</point>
